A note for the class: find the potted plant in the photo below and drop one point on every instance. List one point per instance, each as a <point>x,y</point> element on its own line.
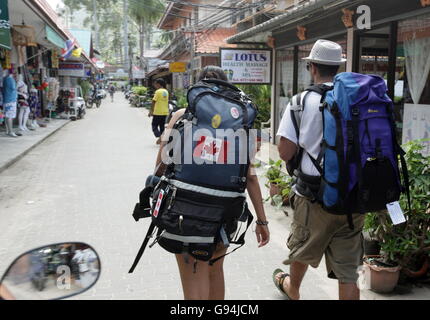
<point>274,177</point>
<point>404,246</point>
<point>284,190</point>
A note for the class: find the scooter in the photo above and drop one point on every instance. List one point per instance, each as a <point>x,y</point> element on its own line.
<point>50,270</point>
<point>173,107</point>
<point>98,99</point>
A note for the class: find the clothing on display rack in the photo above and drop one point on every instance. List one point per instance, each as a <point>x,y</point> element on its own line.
<point>24,108</point>
<point>10,96</point>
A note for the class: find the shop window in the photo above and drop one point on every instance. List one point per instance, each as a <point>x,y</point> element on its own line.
<point>284,81</point>
<point>304,77</point>
<point>413,71</point>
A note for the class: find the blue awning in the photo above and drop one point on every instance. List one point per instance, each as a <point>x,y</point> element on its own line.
<point>54,37</point>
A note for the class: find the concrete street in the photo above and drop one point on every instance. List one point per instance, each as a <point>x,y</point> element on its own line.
<point>82,183</point>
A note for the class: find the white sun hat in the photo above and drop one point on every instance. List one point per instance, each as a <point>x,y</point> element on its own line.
<point>326,52</point>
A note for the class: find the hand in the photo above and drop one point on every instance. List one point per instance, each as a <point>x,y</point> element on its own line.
<point>150,114</point>
<point>263,235</point>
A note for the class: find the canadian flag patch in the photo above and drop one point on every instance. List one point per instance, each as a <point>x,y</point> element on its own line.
<point>211,149</point>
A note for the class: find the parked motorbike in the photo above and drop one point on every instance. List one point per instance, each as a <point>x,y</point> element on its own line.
<point>52,272</point>
<point>173,107</point>
<point>98,99</point>
<point>127,94</point>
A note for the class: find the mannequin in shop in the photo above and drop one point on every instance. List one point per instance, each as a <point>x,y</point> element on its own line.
<point>24,108</point>
<point>10,97</point>
<point>33,101</point>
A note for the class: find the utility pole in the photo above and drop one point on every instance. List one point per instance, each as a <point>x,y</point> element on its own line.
<point>96,25</point>
<point>126,46</point>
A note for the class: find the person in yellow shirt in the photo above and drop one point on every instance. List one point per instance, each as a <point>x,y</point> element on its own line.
<point>160,108</point>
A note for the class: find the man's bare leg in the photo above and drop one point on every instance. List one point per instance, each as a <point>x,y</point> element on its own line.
<point>348,291</point>
<point>293,282</point>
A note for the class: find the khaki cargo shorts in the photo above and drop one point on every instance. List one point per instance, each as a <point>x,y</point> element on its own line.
<point>315,232</point>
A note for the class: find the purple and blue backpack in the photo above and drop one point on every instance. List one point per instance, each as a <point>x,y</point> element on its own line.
<point>359,152</point>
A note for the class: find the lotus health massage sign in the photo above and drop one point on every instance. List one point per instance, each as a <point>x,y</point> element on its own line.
<point>247,66</point>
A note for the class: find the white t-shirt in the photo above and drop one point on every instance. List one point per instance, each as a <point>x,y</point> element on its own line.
<point>311,130</point>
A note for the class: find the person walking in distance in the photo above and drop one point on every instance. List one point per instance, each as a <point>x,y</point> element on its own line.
<point>316,232</point>
<point>159,109</point>
<point>112,90</point>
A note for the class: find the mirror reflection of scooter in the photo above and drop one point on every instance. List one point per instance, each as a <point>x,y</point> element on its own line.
<point>51,272</point>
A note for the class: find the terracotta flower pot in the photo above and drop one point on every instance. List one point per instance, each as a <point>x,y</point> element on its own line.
<point>383,279</point>
<point>286,201</point>
<point>274,189</point>
<point>420,273</point>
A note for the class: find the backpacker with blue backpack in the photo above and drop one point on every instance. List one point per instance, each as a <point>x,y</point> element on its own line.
<point>359,154</point>
<point>200,199</point>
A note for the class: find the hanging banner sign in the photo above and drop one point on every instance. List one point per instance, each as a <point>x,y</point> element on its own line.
<point>55,59</point>
<point>4,26</point>
<point>247,66</point>
<point>71,70</point>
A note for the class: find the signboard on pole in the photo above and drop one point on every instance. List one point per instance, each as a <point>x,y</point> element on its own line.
<point>4,26</point>
<point>178,67</point>
<point>70,69</point>
<point>247,66</point>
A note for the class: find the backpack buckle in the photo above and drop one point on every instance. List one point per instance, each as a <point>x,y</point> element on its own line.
<point>355,111</point>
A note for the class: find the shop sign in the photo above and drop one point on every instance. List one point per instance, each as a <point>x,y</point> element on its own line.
<point>4,26</point>
<point>247,66</point>
<point>71,70</point>
<point>138,74</point>
<point>177,67</point>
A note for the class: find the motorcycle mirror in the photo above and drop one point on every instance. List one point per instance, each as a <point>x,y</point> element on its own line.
<point>53,272</point>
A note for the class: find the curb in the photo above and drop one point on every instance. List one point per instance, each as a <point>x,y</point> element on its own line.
<point>20,156</point>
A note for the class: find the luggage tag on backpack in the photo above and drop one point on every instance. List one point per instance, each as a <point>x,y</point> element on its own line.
<point>396,213</point>
<point>160,198</point>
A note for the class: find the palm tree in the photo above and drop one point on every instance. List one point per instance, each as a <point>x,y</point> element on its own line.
<point>145,13</point>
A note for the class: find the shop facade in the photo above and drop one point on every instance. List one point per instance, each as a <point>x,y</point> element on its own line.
<point>395,47</point>
<point>31,49</point>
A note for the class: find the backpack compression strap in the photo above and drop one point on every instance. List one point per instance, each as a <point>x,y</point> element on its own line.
<point>143,247</point>
<point>240,241</point>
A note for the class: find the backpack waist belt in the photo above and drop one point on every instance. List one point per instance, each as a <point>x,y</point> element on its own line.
<point>207,191</point>
<point>306,185</point>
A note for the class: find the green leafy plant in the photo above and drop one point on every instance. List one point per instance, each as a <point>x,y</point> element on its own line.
<point>140,90</point>
<point>407,244</point>
<point>274,171</point>
<point>181,98</point>
<point>261,95</point>
<point>277,179</point>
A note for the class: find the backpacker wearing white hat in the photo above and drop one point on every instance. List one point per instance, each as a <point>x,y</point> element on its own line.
<point>327,53</point>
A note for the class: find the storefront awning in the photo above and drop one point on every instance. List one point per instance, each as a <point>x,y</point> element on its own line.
<point>4,26</point>
<point>54,37</point>
<point>293,15</point>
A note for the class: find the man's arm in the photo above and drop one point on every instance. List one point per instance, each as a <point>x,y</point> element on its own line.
<point>154,101</point>
<point>287,149</point>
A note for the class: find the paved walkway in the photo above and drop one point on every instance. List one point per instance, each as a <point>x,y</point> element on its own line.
<point>81,184</point>
<point>12,149</point>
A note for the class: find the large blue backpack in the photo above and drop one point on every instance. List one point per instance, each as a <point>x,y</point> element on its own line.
<point>359,154</point>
